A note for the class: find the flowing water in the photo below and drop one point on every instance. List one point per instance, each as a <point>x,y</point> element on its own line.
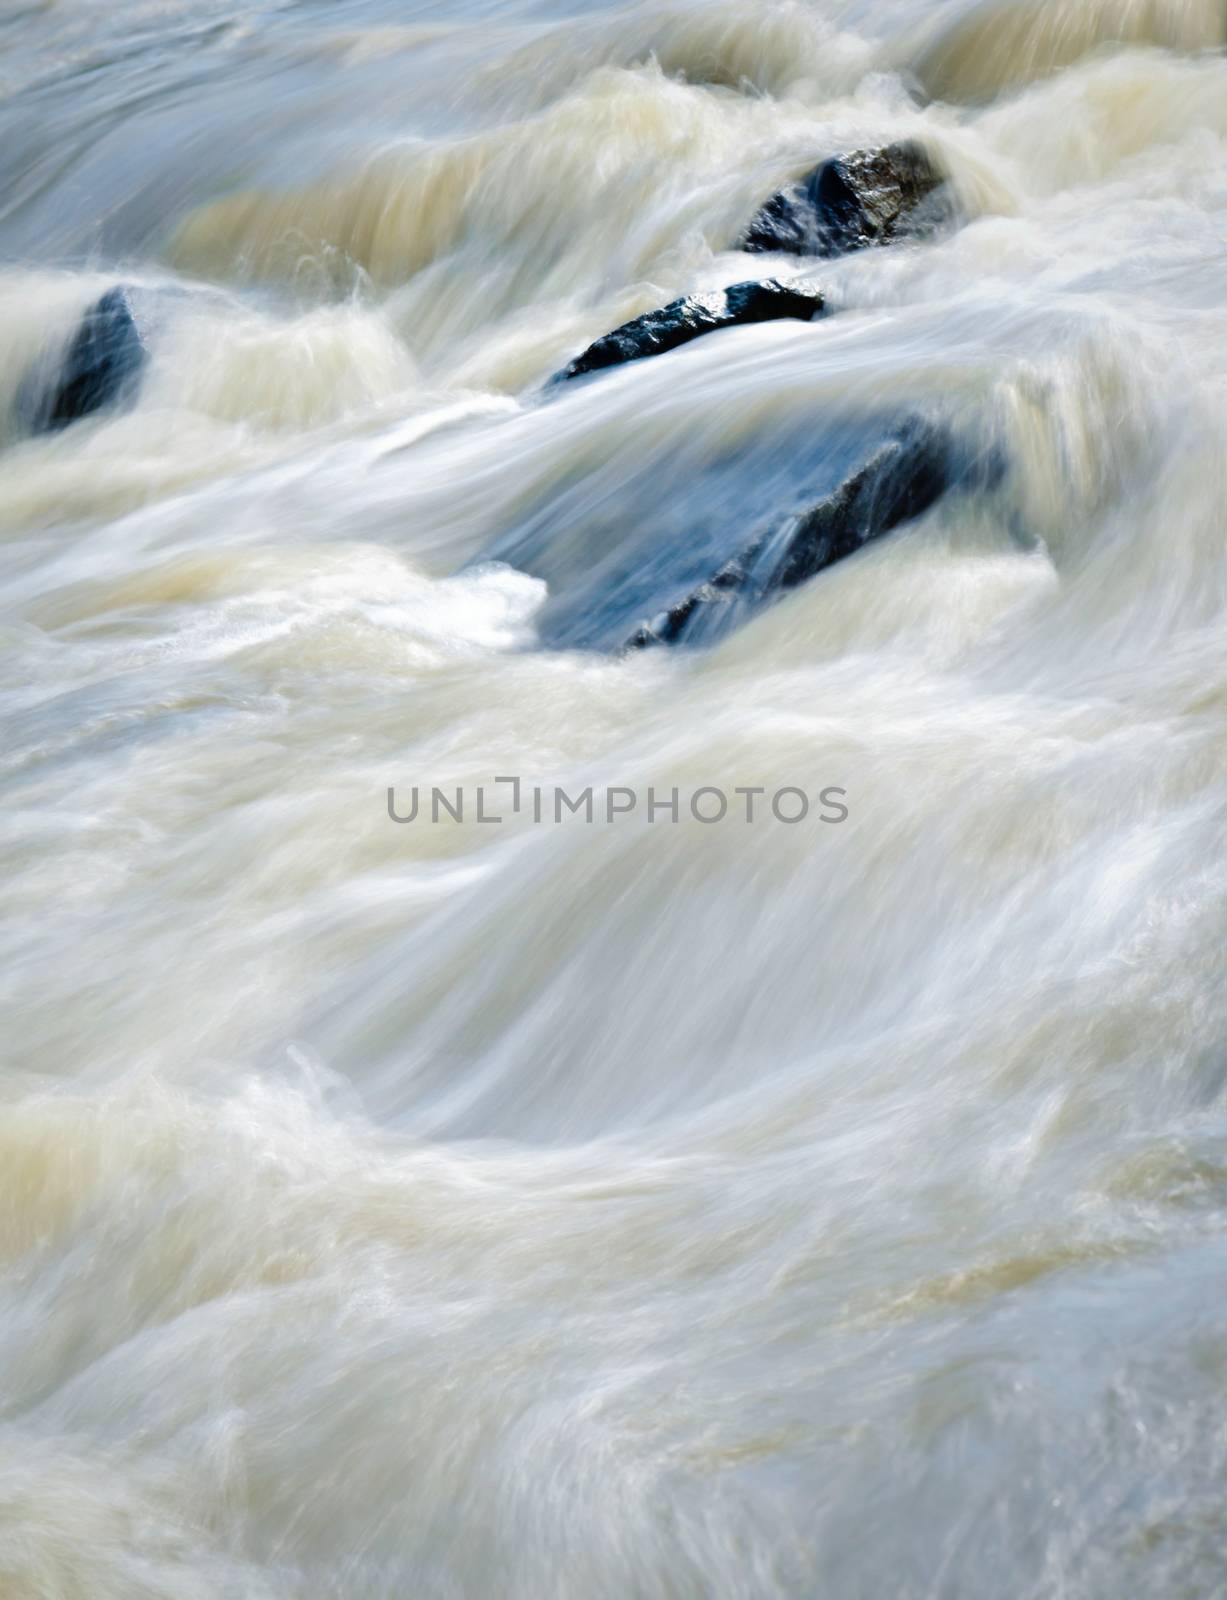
<point>636,1208</point>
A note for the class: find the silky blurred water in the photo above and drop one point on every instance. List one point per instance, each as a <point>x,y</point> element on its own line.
<point>615,1209</point>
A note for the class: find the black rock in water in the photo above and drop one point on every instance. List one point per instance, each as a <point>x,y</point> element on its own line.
<point>903,478</point>
<point>868,197</point>
<point>691,317</point>
<point>103,361</point>
<point>717,517</point>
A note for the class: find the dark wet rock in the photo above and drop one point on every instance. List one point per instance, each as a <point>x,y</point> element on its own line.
<point>716,516</point>
<point>691,317</point>
<point>102,364</point>
<point>904,477</point>
<point>868,197</point>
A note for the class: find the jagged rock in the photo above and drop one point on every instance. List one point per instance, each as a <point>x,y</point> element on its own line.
<point>728,511</point>
<point>903,478</point>
<point>691,317</point>
<point>868,197</point>
<point>102,363</point>
<point>627,533</point>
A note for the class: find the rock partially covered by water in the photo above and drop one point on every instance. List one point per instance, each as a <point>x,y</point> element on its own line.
<point>103,362</point>
<point>691,317</point>
<point>901,480</point>
<point>851,202</point>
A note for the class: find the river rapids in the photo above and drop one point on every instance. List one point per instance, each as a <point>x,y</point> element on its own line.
<point>406,1193</point>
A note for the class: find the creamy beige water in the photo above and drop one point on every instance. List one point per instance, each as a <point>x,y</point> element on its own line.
<point>617,1210</point>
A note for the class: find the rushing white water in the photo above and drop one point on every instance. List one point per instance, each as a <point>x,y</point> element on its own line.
<point>612,1209</point>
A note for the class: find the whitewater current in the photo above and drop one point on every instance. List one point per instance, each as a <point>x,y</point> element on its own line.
<point>634,1207</point>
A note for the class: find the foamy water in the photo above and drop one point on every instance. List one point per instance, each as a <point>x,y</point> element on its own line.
<point>623,1208</point>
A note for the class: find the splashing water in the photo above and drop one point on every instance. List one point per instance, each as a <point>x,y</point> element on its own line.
<point>624,1208</point>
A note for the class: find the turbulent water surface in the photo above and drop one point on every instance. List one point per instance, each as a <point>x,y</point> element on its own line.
<point>637,1208</point>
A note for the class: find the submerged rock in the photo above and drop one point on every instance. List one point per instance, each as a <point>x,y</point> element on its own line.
<point>710,521</point>
<point>902,479</point>
<point>691,317</point>
<point>868,197</point>
<point>102,363</point>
